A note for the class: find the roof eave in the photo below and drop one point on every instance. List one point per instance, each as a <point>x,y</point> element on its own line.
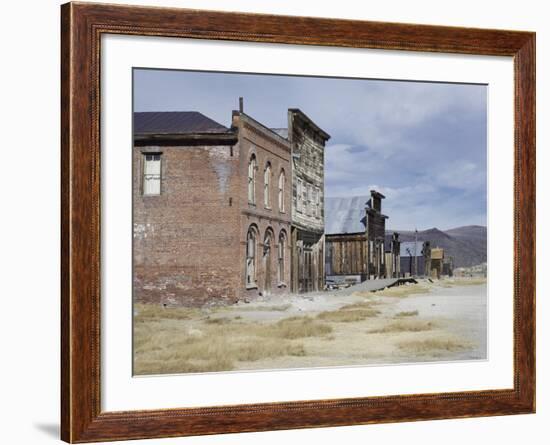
<point>207,138</point>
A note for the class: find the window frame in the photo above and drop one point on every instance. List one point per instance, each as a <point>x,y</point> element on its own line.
<point>281,262</point>
<point>251,240</point>
<point>281,190</point>
<point>144,164</point>
<point>267,185</point>
<point>251,184</point>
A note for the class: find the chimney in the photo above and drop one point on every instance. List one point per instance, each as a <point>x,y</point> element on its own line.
<point>241,105</point>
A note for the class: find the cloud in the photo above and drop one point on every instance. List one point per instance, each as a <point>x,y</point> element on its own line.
<point>422,144</point>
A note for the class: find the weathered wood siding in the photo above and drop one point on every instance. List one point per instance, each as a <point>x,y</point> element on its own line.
<point>346,254</point>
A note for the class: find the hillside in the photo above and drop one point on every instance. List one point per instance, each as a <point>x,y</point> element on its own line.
<point>466,245</point>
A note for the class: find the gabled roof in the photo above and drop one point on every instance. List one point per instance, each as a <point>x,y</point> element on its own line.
<point>175,122</point>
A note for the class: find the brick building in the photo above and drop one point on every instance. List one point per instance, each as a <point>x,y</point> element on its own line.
<point>308,216</point>
<point>211,209</point>
<point>265,209</point>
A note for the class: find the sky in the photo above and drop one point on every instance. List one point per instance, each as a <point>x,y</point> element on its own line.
<point>422,144</point>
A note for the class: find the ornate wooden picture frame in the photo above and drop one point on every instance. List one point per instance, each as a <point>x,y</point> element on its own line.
<point>82,25</point>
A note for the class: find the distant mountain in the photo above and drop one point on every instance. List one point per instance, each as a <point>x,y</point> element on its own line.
<point>466,245</point>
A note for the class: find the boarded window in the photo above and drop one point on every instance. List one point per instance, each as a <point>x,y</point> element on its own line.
<point>281,258</point>
<point>251,257</point>
<point>304,198</point>
<point>309,200</point>
<point>151,174</point>
<point>299,200</point>
<point>252,180</point>
<point>267,186</point>
<point>282,181</point>
<point>317,202</point>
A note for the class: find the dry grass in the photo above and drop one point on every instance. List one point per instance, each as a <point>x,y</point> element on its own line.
<point>466,281</point>
<point>407,314</point>
<point>296,327</point>
<point>359,305</point>
<point>213,352</point>
<point>258,308</point>
<point>432,346</point>
<point>164,345</point>
<point>346,315</point>
<point>218,320</point>
<point>404,326</point>
<point>404,290</point>
<point>154,311</point>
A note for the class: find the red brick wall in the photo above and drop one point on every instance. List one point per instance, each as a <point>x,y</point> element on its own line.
<point>190,241</point>
<point>267,147</point>
<point>185,239</point>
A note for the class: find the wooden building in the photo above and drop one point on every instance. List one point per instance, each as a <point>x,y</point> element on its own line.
<point>393,256</point>
<point>346,254</point>
<point>366,254</point>
<point>307,141</point>
<point>437,260</point>
<point>375,223</point>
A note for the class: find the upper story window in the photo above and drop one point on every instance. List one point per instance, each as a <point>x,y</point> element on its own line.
<point>317,202</point>
<point>308,198</point>
<point>151,174</point>
<point>267,186</point>
<point>314,207</point>
<point>282,182</point>
<point>305,207</point>
<point>252,167</point>
<point>299,196</point>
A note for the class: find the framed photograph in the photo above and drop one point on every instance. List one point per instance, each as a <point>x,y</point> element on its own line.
<point>274,222</point>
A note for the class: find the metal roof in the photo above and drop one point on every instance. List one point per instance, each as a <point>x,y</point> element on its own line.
<point>345,215</point>
<point>175,122</point>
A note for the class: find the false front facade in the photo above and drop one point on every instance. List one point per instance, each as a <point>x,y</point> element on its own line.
<point>308,184</point>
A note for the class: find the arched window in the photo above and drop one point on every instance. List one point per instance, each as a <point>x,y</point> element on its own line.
<point>281,258</point>
<point>252,180</point>
<point>267,183</point>
<point>282,181</point>
<point>251,243</point>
